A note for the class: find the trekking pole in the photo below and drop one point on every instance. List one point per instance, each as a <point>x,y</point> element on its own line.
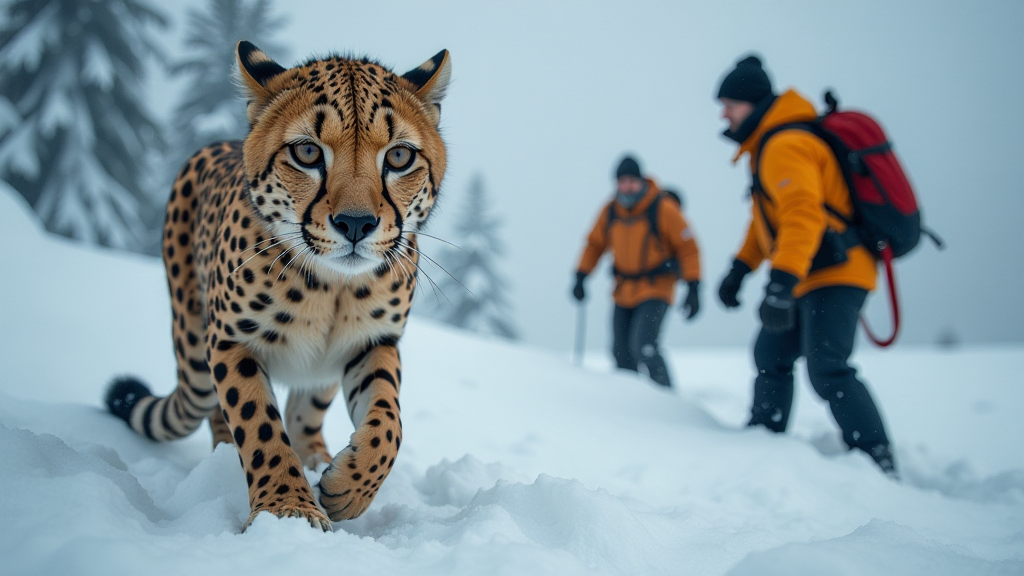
<point>581,325</point>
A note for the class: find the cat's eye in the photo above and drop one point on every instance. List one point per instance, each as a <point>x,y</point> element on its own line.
<point>399,157</point>
<point>307,154</point>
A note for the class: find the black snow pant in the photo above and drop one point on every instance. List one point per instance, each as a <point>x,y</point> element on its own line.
<point>824,333</point>
<point>635,339</point>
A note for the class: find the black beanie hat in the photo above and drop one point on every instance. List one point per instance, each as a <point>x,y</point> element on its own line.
<point>628,167</point>
<point>747,83</point>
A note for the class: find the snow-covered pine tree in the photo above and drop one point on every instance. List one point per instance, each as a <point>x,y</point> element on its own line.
<point>75,134</point>
<point>212,108</point>
<point>475,295</point>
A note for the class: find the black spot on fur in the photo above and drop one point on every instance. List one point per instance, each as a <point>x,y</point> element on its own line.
<point>272,412</point>
<point>247,367</point>
<point>248,326</point>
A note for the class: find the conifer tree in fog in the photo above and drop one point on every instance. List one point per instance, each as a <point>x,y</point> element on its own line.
<point>76,137</point>
<point>475,294</point>
<point>211,108</point>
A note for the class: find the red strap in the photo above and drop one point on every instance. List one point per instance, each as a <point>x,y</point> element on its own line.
<point>893,300</point>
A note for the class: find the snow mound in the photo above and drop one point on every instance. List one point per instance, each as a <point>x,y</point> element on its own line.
<point>878,547</point>
<point>456,483</point>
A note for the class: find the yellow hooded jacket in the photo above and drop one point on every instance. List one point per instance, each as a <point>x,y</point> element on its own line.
<point>800,175</point>
<point>634,250</point>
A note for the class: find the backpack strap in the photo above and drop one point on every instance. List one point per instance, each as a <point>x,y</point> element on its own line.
<point>669,266</point>
<point>757,191</point>
<point>848,238</point>
<point>651,213</point>
<point>755,185</point>
<point>652,217</point>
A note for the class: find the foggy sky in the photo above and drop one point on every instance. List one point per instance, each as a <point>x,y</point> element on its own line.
<point>547,96</point>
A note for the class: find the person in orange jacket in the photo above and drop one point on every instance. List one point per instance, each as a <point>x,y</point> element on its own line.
<point>820,273</point>
<point>652,248</point>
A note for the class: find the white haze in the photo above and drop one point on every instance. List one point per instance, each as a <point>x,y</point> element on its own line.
<point>546,96</point>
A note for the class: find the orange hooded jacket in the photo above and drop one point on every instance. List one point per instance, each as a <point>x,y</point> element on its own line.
<point>635,249</point>
<point>800,175</point>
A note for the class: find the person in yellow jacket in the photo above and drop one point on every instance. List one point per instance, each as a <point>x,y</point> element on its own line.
<point>652,248</point>
<point>820,274</point>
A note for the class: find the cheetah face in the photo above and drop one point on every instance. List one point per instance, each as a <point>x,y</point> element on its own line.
<point>344,159</point>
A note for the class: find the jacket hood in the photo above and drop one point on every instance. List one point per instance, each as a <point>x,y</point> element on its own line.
<point>790,106</point>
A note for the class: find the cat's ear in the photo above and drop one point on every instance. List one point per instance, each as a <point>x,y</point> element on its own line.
<point>430,81</point>
<point>255,70</point>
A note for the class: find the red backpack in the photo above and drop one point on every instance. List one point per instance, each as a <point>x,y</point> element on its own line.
<point>886,218</point>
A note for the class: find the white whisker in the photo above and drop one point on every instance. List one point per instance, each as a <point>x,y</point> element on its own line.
<point>291,237</point>
<point>433,284</point>
<point>290,261</point>
<point>436,238</point>
<point>434,262</point>
<point>283,252</point>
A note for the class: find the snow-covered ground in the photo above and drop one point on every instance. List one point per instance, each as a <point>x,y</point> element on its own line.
<point>514,461</point>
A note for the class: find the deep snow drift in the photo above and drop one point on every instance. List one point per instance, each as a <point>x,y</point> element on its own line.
<point>514,461</point>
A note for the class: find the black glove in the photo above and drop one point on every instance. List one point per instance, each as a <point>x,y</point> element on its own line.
<point>577,291</point>
<point>730,285</point>
<point>778,310</point>
<point>692,303</point>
